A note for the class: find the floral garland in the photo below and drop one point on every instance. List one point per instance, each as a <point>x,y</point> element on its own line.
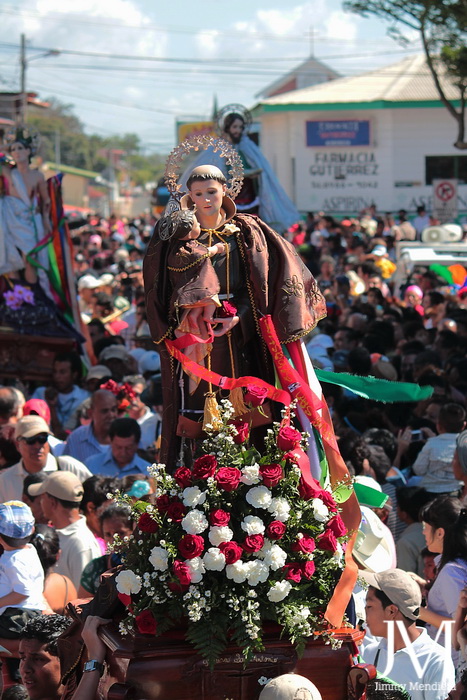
<point>237,540</point>
<point>124,392</point>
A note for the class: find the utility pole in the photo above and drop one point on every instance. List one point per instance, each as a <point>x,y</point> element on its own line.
<point>23,65</point>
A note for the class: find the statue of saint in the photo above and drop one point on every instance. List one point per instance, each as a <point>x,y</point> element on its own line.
<point>261,191</point>
<point>24,211</point>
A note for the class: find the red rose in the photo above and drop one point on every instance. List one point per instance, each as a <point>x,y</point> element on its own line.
<point>309,491</point>
<point>288,438</point>
<point>227,310</point>
<point>219,518</point>
<point>328,500</point>
<point>337,526</point>
<point>228,478</point>
<point>275,530</point>
<point>147,524</point>
<point>176,510</point>
<point>163,503</point>
<point>146,623</point>
<point>204,467</point>
<point>304,544</point>
<point>271,474</point>
<point>243,430</point>
<point>253,543</point>
<point>255,395</point>
<point>293,572</point>
<point>231,551</point>
<point>183,477</point>
<point>191,546</point>
<point>308,569</point>
<point>327,541</point>
<point>182,572</point>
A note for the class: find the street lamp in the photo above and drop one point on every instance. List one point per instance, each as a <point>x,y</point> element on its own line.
<point>24,64</point>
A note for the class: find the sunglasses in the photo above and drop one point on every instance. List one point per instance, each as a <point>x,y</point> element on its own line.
<point>41,439</point>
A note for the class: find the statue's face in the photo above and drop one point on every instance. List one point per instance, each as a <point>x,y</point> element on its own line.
<point>235,130</point>
<point>207,195</point>
<point>19,152</point>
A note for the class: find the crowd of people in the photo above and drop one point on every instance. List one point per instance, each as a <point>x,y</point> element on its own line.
<point>67,446</point>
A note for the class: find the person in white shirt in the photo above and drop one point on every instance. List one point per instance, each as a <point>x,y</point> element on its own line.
<point>61,495</point>
<point>405,654</point>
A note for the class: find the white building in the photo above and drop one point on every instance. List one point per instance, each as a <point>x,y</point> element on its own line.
<point>381,137</point>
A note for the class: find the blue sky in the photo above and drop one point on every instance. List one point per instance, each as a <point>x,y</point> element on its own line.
<point>198,50</point>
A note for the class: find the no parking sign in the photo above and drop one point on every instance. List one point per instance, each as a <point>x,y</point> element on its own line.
<point>445,200</point>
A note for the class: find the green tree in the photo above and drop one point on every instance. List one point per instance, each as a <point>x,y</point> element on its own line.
<point>442,25</point>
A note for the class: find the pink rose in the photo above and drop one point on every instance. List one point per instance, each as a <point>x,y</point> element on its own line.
<point>337,526</point>
<point>183,477</point>
<point>228,478</point>
<point>204,467</point>
<point>146,623</point>
<point>293,572</point>
<point>231,551</point>
<point>304,544</point>
<point>288,438</point>
<point>308,569</point>
<point>191,546</point>
<point>255,395</point>
<point>182,572</point>
<point>327,541</point>
<point>276,530</point>
<point>219,518</point>
<point>243,430</point>
<point>253,543</point>
<point>271,474</point>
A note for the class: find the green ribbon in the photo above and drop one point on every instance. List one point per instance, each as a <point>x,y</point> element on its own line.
<point>376,389</point>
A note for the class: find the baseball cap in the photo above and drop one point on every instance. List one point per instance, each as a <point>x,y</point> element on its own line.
<point>369,492</point>
<point>88,282</point>
<point>371,548</point>
<point>150,362</point>
<point>63,485</point>
<point>39,407</point>
<point>31,425</point>
<point>399,587</point>
<point>290,686</point>
<point>106,279</point>
<point>98,372</point>
<point>114,352</point>
<point>16,519</point>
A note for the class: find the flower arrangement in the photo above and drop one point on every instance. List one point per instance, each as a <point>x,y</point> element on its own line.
<point>239,539</point>
<point>18,296</point>
<point>124,392</point>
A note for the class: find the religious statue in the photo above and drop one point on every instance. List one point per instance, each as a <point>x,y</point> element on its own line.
<point>24,210</point>
<point>213,289</point>
<point>261,192</point>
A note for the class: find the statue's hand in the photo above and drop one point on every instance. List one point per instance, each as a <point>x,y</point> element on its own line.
<point>224,325</point>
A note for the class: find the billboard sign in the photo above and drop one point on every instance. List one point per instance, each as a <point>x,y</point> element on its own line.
<point>331,132</point>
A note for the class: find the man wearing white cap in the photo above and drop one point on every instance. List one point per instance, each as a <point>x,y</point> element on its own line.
<point>61,495</point>
<point>86,288</point>
<point>32,435</point>
<point>405,654</point>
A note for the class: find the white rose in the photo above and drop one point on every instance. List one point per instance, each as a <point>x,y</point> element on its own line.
<point>259,497</point>
<point>237,572</point>
<point>258,572</point>
<point>218,534</point>
<point>338,554</point>
<point>280,509</point>
<point>197,569</point>
<point>195,522</point>
<point>159,558</point>
<point>250,475</point>
<point>214,560</point>
<point>320,511</point>
<point>275,557</point>
<point>253,525</point>
<point>193,496</point>
<point>279,591</point>
<point>128,582</point>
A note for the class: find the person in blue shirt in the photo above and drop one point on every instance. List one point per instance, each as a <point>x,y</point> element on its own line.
<point>120,458</point>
